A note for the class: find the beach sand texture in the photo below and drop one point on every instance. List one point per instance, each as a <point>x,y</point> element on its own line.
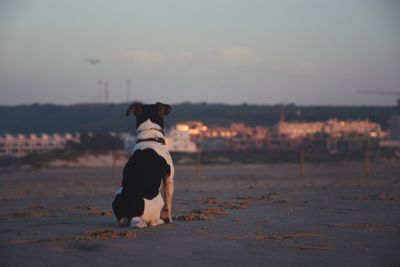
<point>229,215</point>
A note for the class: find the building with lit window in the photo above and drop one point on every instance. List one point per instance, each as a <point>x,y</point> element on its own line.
<point>195,129</point>
<point>332,128</point>
<point>332,135</point>
<point>21,145</point>
<point>179,141</point>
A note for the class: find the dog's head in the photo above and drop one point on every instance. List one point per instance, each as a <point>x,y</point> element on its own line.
<point>155,112</point>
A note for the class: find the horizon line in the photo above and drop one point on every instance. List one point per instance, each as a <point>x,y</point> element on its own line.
<point>200,103</point>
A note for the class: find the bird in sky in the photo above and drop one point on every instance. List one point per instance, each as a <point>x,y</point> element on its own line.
<point>94,61</point>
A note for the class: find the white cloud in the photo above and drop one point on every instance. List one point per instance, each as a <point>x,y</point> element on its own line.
<point>236,54</point>
<point>147,57</point>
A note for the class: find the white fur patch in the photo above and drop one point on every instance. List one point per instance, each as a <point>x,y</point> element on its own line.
<point>146,130</point>
<point>152,208</point>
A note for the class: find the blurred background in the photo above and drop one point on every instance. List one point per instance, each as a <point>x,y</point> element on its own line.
<point>274,80</point>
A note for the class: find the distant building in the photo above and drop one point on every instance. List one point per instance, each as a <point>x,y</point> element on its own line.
<point>298,130</point>
<point>21,145</point>
<point>333,128</point>
<point>236,137</point>
<point>219,132</point>
<point>332,135</point>
<point>353,128</point>
<point>179,141</point>
<point>248,138</point>
<point>195,129</point>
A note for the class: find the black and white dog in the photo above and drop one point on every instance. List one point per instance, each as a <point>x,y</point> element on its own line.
<point>138,202</point>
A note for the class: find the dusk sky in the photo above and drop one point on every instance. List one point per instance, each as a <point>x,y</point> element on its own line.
<point>308,52</point>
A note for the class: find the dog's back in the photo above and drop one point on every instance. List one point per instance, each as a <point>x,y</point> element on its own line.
<point>143,173</point>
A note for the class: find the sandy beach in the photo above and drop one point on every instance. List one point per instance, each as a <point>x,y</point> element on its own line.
<point>229,215</point>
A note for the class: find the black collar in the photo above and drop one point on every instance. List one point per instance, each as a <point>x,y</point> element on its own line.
<point>156,139</point>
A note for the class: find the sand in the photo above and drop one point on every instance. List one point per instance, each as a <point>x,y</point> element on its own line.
<point>232,215</point>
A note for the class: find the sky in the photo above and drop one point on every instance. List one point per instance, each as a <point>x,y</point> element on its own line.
<point>308,52</point>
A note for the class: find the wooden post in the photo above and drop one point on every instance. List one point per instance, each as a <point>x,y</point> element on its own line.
<point>301,162</point>
<point>367,165</point>
<point>198,162</point>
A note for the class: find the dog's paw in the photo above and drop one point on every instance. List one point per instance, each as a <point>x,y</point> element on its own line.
<point>166,216</point>
<point>124,222</point>
<point>137,222</point>
<point>167,220</point>
<point>157,222</point>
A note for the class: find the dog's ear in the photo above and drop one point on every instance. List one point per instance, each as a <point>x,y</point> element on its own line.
<point>163,109</point>
<point>135,108</point>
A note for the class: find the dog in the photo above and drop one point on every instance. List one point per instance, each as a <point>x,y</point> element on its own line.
<point>138,202</point>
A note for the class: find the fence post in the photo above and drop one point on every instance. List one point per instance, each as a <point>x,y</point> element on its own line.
<point>367,164</point>
<point>301,162</point>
